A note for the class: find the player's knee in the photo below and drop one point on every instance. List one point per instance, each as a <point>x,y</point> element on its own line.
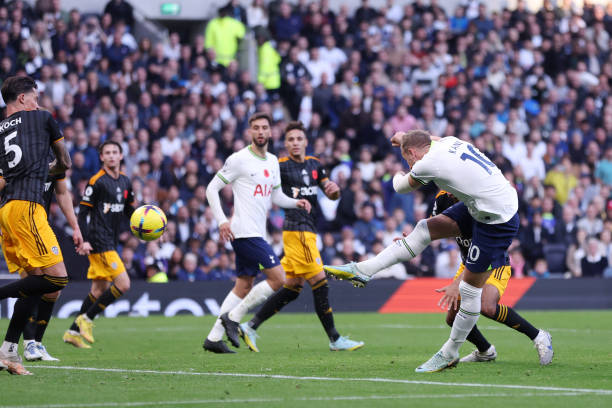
<point>123,286</point>
<point>487,309</point>
<point>53,295</point>
<point>276,282</point>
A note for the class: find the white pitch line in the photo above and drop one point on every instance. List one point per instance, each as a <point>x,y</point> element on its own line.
<point>399,326</point>
<point>314,378</point>
<point>254,400</point>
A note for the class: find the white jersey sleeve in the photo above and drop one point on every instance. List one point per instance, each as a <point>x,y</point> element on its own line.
<point>230,170</point>
<point>425,170</point>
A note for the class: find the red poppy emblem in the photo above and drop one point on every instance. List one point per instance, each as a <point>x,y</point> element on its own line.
<point>266,173</point>
<point>315,174</point>
<point>125,193</point>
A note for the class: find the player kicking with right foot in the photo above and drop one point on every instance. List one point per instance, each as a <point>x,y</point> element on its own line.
<point>487,211</point>
<point>492,292</point>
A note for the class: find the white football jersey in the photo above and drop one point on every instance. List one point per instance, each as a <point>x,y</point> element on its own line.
<point>252,178</point>
<point>461,169</point>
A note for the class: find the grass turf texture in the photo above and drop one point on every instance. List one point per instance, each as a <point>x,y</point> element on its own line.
<point>295,345</point>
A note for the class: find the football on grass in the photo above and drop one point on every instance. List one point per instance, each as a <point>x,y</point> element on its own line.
<point>148,222</point>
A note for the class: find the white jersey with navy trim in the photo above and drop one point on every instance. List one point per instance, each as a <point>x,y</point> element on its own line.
<point>461,169</point>
<point>252,178</point>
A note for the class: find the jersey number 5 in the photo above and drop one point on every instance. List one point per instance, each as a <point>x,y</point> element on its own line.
<point>15,149</point>
<point>478,159</point>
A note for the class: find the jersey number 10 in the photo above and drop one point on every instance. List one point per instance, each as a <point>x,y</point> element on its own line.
<point>478,159</point>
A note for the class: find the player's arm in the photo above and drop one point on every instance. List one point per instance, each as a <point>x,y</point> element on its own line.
<point>284,201</point>
<point>404,183</point>
<point>2,183</point>
<point>281,199</point>
<point>451,292</point>
<point>64,200</point>
<point>85,208</point>
<point>131,203</point>
<point>214,201</point>
<point>331,189</point>
<point>62,160</point>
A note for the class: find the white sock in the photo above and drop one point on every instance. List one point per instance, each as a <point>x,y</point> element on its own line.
<point>9,348</point>
<point>400,251</point>
<point>256,297</point>
<point>230,301</point>
<point>466,319</point>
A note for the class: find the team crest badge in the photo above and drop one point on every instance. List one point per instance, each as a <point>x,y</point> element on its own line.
<point>305,177</point>
<point>55,250</point>
<point>114,265</point>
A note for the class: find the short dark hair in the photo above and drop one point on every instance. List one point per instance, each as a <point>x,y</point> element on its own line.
<point>110,142</point>
<point>415,138</point>
<point>295,125</point>
<point>15,86</point>
<point>260,115</point>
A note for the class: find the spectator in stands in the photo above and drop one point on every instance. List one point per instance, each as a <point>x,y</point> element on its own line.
<point>540,269</point>
<point>190,271</point>
<point>223,35</point>
<point>448,261</point>
<point>120,10</point>
<point>593,264</point>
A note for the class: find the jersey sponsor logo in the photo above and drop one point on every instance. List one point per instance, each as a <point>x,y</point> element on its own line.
<point>464,242</point>
<point>264,191</point>
<point>119,194</point>
<point>112,207</point>
<point>9,123</point>
<point>304,191</point>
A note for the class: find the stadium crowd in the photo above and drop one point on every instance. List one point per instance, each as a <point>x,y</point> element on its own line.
<point>531,90</point>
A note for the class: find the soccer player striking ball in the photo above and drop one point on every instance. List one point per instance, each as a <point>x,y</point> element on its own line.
<point>28,242</point>
<point>255,178</point>
<point>492,292</point>
<point>301,176</point>
<point>487,208</point>
<point>107,199</point>
<point>38,321</point>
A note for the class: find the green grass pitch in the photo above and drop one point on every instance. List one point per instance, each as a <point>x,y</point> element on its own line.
<point>159,362</point>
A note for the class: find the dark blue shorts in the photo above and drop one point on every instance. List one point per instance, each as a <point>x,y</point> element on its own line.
<point>252,255</point>
<point>490,242</point>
